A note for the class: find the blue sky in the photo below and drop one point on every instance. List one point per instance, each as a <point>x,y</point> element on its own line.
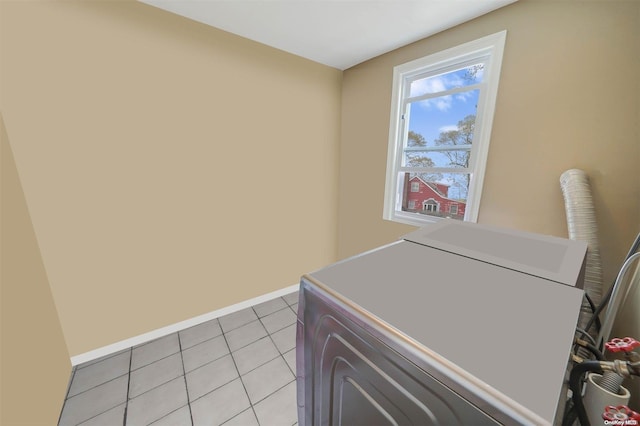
<point>430,117</point>
<point>433,116</point>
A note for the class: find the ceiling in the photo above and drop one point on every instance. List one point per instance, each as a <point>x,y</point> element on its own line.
<point>337,33</point>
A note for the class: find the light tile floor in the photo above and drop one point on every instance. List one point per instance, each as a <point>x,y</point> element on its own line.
<point>238,369</point>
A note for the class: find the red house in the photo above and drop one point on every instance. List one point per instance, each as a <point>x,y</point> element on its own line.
<point>431,198</point>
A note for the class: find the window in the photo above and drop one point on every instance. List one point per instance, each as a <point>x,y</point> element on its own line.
<point>412,204</point>
<point>415,186</point>
<point>441,117</point>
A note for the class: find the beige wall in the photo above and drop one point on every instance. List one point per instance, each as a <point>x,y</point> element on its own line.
<point>568,98</point>
<point>170,169</point>
<point>35,364</point>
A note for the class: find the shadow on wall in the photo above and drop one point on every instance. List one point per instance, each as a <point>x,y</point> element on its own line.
<point>35,360</point>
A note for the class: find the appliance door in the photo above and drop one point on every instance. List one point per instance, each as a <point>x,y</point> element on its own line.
<point>353,371</point>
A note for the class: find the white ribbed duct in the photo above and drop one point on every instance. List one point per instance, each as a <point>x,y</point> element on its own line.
<point>581,222</point>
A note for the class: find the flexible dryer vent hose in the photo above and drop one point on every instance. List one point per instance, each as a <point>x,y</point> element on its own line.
<point>582,226</point>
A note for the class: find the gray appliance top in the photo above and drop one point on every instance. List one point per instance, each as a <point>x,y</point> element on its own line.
<point>511,329</point>
<point>553,258</point>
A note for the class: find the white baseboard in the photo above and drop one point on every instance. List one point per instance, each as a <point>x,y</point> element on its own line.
<point>164,331</point>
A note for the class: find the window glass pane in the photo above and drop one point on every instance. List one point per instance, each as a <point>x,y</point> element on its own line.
<point>442,121</point>
<point>437,194</point>
<point>437,159</point>
<point>439,83</point>
<point>436,101</point>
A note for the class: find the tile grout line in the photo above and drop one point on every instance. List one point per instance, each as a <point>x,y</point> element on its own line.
<point>165,383</point>
<point>263,363</point>
<point>168,380</point>
<point>126,401</point>
<point>90,389</point>
<point>239,375</point>
<point>281,355</point>
<point>208,362</point>
<point>236,365</point>
<point>295,377</point>
<point>184,374</point>
<point>237,328</point>
<point>224,335</point>
<point>230,354</point>
<point>276,331</point>
<point>280,329</point>
<point>66,397</point>
<point>243,386</point>
<point>157,360</point>
<point>276,311</point>
<point>279,389</point>
<point>101,412</point>
<point>96,386</point>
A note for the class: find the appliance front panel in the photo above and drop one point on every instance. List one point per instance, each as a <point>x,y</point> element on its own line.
<point>353,378</point>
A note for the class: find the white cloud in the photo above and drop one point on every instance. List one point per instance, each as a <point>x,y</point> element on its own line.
<point>428,85</point>
<point>441,83</point>
<point>464,96</point>
<point>443,103</point>
<point>448,128</point>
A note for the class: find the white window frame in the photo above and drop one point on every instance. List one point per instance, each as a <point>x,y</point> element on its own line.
<point>491,47</point>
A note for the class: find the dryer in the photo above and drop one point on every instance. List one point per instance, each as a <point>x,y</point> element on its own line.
<point>456,323</point>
